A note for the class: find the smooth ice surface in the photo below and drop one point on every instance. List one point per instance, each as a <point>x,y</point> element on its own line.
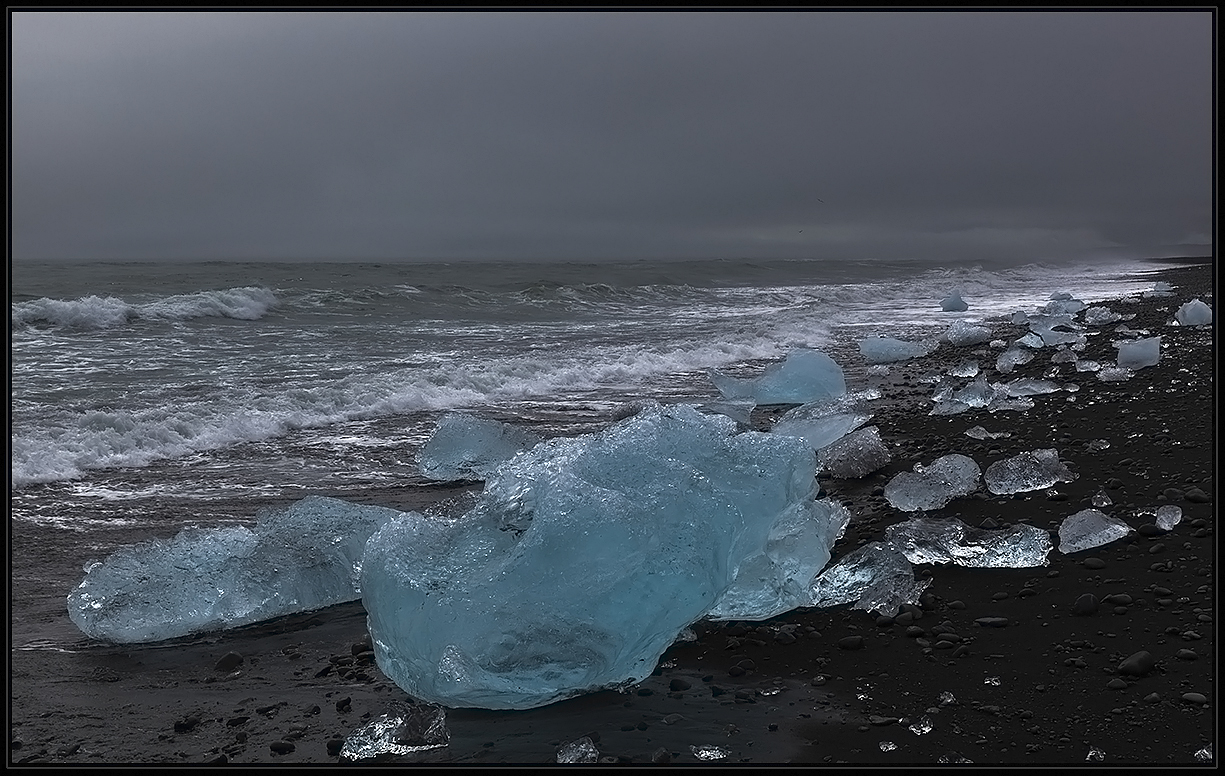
<point>952,541</point>
<point>855,455</point>
<point>409,727</point>
<point>1194,313</point>
<point>305,557</point>
<point>1011,358</point>
<point>885,350</point>
<point>978,432</point>
<point>804,376</point>
<point>962,333</point>
<point>584,558</point>
<point>953,303</point>
<point>1139,353</point>
<point>1090,528</point>
<point>875,578</point>
<point>581,751</point>
<point>1026,386</point>
<point>1031,470</point>
<point>740,410</point>
<point>822,423</point>
<point>933,486</point>
<point>468,448</point>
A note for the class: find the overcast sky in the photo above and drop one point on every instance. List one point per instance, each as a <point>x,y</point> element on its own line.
<point>932,135</point>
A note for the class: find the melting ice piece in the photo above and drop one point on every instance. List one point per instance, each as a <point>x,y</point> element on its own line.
<point>822,423</point>
<point>1012,358</point>
<point>301,558</point>
<point>1140,353</point>
<point>1168,516</point>
<point>804,376</point>
<point>740,410</point>
<point>965,369</point>
<point>1030,340</point>
<point>885,350</point>
<point>468,448</point>
<point>409,727</point>
<point>1025,386</point>
<point>932,487</point>
<point>961,334</point>
<point>1031,470</point>
<point>876,577</point>
<point>1194,313</point>
<point>1101,499</point>
<point>1088,365</point>
<point>1089,528</point>
<point>1064,356</point>
<point>978,432</point>
<point>709,752</point>
<point>855,455</point>
<point>1114,374</point>
<point>952,541</point>
<point>583,559</point>
<point>953,303</point>
<point>580,751</point>
<point>1099,316</point>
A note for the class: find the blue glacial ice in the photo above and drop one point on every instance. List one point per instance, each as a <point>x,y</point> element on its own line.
<point>1138,354</point>
<point>585,558</point>
<point>886,350</point>
<point>963,333</point>
<point>876,577</point>
<point>304,557</point>
<point>855,455</point>
<point>935,485</point>
<point>822,423</point>
<point>803,376</point>
<point>1194,313</point>
<point>1030,470</point>
<point>464,447</point>
<point>953,303</point>
<point>1090,528</point>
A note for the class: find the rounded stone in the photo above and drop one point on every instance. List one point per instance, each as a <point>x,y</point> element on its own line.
<point>1093,563</point>
<point>1194,697</point>
<point>1085,605</point>
<point>851,642</point>
<point>1116,684</point>
<point>1138,664</point>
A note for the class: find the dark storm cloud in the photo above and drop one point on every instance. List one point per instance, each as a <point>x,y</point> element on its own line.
<point>579,135</point>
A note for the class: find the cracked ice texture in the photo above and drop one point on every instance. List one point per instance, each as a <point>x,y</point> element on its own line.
<point>1090,528</point>
<point>305,557</point>
<point>1031,470</point>
<point>1138,354</point>
<point>803,376</point>
<point>952,541</point>
<point>961,334</point>
<point>584,558</point>
<point>855,455</point>
<point>933,486</point>
<point>875,578</point>
<point>468,448</point>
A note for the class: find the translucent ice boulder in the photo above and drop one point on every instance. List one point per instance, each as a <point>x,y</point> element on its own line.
<point>962,333</point>
<point>1138,354</point>
<point>804,376</point>
<point>933,486</point>
<point>875,578</point>
<point>1031,470</point>
<point>1194,313</point>
<point>1100,316</point>
<point>584,558</point>
<point>855,455</point>
<point>468,448</point>
<point>305,557</point>
<point>953,303</point>
<point>822,423</point>
<point>1090,528</point>
<point>885,350</point>
<point>1011,358</point>
<point>952,541</point>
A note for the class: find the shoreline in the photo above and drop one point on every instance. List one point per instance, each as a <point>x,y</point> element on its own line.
<point>800,687</point>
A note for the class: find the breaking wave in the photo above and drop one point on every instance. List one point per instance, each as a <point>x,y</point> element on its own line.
<point>96,312</point>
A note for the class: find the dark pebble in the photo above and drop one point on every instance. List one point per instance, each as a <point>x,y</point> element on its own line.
<point>1138,664</point>
<point>1119,599</point>
<point>1149,529</point>
<point>344,704</point>
<point>1194,697</point>
<point>334,746</point>
<point>1085,605</point>
<point>677,685</point>
<point>1116,684</point>
<point>281,747</point>
<point>645,691</point>
<point>1172,494</point>
<point>661,756</point>
<point>228,663</point>
<point>1197,496</point>
<point>992,622</point>
<point>851,642</point>
<point>1093,563</point>
<point>186,724</point>
<point>735,671</point>
<point>1186,654</point>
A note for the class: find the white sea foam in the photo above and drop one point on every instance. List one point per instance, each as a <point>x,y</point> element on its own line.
<point>95,312</point>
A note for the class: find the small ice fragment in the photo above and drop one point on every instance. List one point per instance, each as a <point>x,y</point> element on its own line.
<point>1140,353</point>
<point>883,350</point>
<point>887,746</point>
<point>1114,374</point>
<point>1100,499</point>
<point>740,410</point>
<point>1031,470</point>
<point>463,447</point>
<point>709,752</point>
<point>408,728</point>
<point>1089,528</point>
<point>978,393</point>
<point>965,369</point>
<point>1030,340</point>
<point>1194,313</point>
<point>580,751</point>
<point>1088,366</point>
<point>962,334</point>
<point>1020,317</point>
<point>875,578</point>
<point>952,541</point>
<point>953,303</point>
<point>922,726</point>
<point>803,376</point>
<point>821,423</point>
<point>1063,357</point>
<point>978,432</point>
<point>1013,357</point>
<point>1095,755</point>
<point>994,681</point>
<point>878,370</point>
<point>855,455</point>
<point>935,485</point>
<point>1026,386</point>
<point>946,699</point>
<point>1204,755</point>
<point>1168,516</point>
<point>1099,316</point>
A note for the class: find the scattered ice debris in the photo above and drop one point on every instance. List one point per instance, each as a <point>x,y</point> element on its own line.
<point>1026,386</point>
<point>978,432</point>
<point>410,727</point>
<point>709,752</point>
<point>1012,358</point>
<point>962,334</point>
<point>875,578</point>
<point>551,584</point>
<point>1204,755</point>
<point>1088,366</point>
<point>884,350</point>
<point>1101,499</point>
<point>878,370</point>
<point>464,447</point>
<point>301,558</point>
<point>740,410</point>
<point>952,541</point>
<point>1140,353</point>
<point>1095,755</point>
<point>855,455</point>
<point>923,726</point>
<point>804,376</point>
<point>953,303</point>
<point>822,423</point>
<point>1031,340</point>
<point>935,485</point>
<point>1089,528</point>
<point>1031,470</point>
<point>580,751</point>
<point>887,746</point>
<point>993,681</point>
<point>946,699</point>
<point>1194,313</point>
<point>965,369</point>
<point>1114,374</point>
<point>1168,516</point>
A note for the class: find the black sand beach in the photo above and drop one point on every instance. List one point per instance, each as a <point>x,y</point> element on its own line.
<point>1033,678</point>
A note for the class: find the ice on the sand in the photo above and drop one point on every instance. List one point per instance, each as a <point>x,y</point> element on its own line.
<point>1114,374</point>
<point>464,447</point>
<point>933,486</point>
<point>964,369</point>
<point>584,558</point>
<point>855,455</point>
<point>803,376</point>
<point>952,541</point>
<point>886,350</point>
<point>580,751</point>
<point>304,557</point>
<point>1099,316</point>
<point>409,727</point>
<point>953,303</point>
<point>1090,528</point>
<point>1031,470</point>
<point>1168,516</point>
<point>978,432</point>
<point>1013,357</point>
<point>822,423</point>
<point>1138,354</point>
<point>875,578</point>
<point>961,334</point>
<point>1194,313</point>
<point>1026,386</point>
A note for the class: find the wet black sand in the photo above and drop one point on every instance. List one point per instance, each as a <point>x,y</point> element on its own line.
<point>1042,689</point>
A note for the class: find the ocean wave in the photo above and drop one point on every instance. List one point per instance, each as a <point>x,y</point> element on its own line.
<point>96,312</point>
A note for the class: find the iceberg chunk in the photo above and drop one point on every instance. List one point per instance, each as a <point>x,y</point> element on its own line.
<point>1099,316</point>
<point>885,350</point>
<point>468,448</point>
<point>961,334</point>
<point>875,578</point>
<point>822,423</point>
<point>1194,313</point>
<point>952,541</point>
<point>1011,358</point>
<point>583,559</point>
<point>1025,386</point>
<point>1089,528</point>
<point>305,557</point>
<point>1138,354</point>
<point>410,727</point>
<point>1168,516</point>
<point>953,303</point>
<point>855,455</point>
<point>804,376</point>
<point>934,486</point>
<point>1031,470</point>
<point>581,751</point>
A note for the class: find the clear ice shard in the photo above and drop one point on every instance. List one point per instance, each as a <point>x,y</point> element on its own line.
<point>965,369</point>
<point>1011,358</point>
<point>961,334</point>
<point>886,350</point>
<point>953,303</point>
<point>978,432</point>
<point>952,541</point>
<point>933,486</point>
<point>1031,470</point>
<point>1100,316</point>
<point>304,557</point>
<point>739,410</point>
<point>855,455</point>
<point>464,447</point>
<point>410,727</point>
<point>803,376</point>
<point>1115,374</point>
<point>1194,313</point>
<point>1168,516</point>
<point>1138,354</point>
<point>822,423</point>
<point>1026,386</point>
<point>583,559</point>
<point>581,751</point>
<point>1090,528</point>
<point>876,577</point>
